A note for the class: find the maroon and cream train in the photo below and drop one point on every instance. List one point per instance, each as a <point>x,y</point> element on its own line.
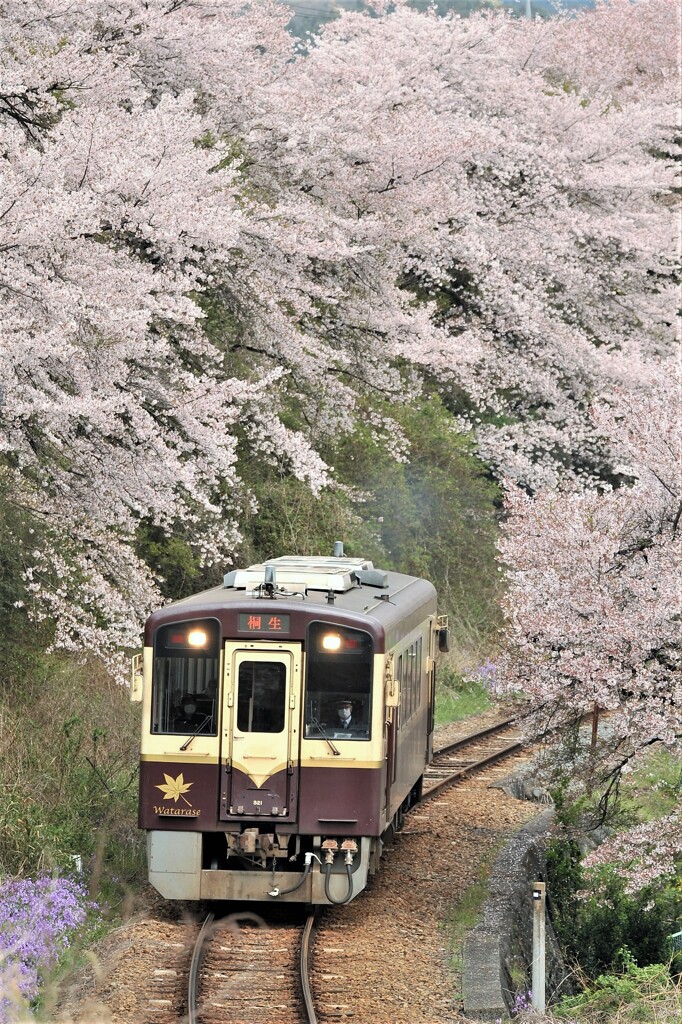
<point>251,787</point>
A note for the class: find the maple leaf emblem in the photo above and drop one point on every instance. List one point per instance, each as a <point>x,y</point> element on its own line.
<point>174,788</point>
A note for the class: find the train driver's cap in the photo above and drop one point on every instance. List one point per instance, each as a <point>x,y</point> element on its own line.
<point>344,703</point>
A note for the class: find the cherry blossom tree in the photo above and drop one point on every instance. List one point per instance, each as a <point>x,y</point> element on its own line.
<point>127,211</point>
<point>525,189</point>
<point>524,203</point>
<point>210,239</point>
<point>595,605</point>
<point>115,408</point>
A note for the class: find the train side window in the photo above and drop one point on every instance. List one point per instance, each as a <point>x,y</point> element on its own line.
<point>418,674</point>
<point>261,696</point>
<point>411,683</point>
<point>339,677</point>
<point>406,691</point>
<point>185,678</point>
<point>401,679</point>
<point>410,674</point>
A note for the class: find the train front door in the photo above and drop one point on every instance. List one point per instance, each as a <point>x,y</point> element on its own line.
<point>260,740</point>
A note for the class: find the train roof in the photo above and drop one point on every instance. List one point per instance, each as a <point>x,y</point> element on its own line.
<point>343,587</point>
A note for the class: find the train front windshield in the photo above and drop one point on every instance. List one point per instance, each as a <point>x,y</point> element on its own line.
<point>185,682</point>
<point>338,696</point>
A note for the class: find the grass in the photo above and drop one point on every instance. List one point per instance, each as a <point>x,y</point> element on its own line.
<point>460,918</point>
<point>637,994</point>
<point>457,699</point>
<point>653,789</point>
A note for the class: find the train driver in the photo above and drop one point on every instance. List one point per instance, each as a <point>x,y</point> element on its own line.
<point>347,721</point>
<point>190,718</point>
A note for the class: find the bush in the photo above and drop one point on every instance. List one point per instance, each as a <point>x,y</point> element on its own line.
<point>634,994</point>
<point>69,756</point>
<point>458,698</point>
<point>595,919</point>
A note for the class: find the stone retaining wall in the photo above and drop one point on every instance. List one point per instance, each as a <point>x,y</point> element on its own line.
<point>497,958</point>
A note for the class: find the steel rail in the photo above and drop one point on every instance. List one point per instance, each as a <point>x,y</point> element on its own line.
<point>475,766</point>
<point>309,930</point>
<point>194,968</point>
<point>488,731</point>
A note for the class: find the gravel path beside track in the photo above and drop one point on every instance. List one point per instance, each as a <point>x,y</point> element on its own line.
<point>383,959</point>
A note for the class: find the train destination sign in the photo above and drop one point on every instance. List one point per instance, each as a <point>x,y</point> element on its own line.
<point>255,622</point>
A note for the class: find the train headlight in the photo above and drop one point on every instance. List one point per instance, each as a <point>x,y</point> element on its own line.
<point>197,638</point>
<point>331,642</point>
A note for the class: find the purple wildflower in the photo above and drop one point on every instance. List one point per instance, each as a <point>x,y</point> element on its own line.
<point>486,674</point>
<point>522,1001</point>
<point>37,919</point>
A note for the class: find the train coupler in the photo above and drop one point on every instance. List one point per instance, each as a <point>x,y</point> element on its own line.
<point>253,842</point>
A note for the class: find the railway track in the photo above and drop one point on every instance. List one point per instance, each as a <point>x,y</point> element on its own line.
<point>470,754</point>
<point>244,971</point>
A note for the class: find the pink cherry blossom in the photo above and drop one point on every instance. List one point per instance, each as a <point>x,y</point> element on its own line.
<point>595,604</point>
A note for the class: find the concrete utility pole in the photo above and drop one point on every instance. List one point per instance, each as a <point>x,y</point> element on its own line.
<point>538,978</point>
<point>529,13</point>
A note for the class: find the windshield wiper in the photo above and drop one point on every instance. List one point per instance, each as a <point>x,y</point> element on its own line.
<point>207,718</point>
<point>335,750</point>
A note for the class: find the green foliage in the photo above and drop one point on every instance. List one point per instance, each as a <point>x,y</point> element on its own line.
<point>595,918</point>
<point>633,994</point>
<point>174,562</point>
<point>289,519</point>
<point>225,330</point>
<point>653,789</point>
<point>68,773</point>
<point>457,698</point>
<point>564,873</point>
<point>434,516</point>
<point>20,529</point>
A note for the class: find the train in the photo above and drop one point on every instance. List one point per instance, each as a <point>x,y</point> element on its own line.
<point>287,719</point>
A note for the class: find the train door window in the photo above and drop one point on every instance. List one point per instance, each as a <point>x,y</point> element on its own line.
<point>261,696</point>
<point>185,678</point>
<point>338,693</point>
